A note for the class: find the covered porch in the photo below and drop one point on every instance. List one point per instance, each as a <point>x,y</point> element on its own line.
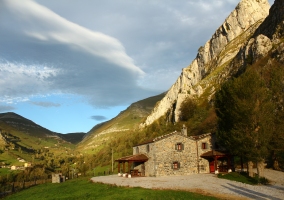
<point>133,165</point>
<point>218,161</point>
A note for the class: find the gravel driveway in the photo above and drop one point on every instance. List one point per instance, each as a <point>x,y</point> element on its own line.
<point>206,184</point>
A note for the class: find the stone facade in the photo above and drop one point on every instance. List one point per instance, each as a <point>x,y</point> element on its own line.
<point>174,154</point>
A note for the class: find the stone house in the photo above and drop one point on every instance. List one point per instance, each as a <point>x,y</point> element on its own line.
<point>13,167</point>
<point>27,164</point>
<point>176,154</point>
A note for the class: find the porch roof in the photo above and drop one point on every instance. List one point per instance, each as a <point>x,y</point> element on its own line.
<point>214,153</point>
<point>135,158</point>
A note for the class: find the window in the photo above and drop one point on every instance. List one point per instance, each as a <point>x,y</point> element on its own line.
<point>204,145</point>
<point>148,148</point>
<point>179,146</point>
<point>137,150</point>
<point>176,165</point>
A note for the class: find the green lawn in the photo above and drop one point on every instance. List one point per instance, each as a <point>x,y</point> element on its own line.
<point>84,189</point>
<point>243,178</point>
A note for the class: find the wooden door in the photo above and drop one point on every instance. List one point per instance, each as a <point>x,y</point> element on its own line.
<point>212,166</point>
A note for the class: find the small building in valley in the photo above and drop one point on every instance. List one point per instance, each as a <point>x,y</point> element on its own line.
<point>27,164</point>
<point>176,154</point>
<point>57,178</point>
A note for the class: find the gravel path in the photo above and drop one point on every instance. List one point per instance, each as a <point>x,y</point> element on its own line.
<point>206,184</point>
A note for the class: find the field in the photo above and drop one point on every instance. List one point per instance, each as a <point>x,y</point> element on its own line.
<point>82,189</point>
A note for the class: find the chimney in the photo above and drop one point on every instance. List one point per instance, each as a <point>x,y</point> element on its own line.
<point>184,130</point>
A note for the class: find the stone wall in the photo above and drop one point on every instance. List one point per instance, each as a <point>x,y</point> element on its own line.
<point>148,150</point>
<point>208,142</point>
<point>162,153</point>
<point>166,154</point>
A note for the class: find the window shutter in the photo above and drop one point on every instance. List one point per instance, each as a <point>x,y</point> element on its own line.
<point>176,147</point>
<point>172,165</point>
<point>204,145</point>
<point>178,165</point>
<point>182,146</point>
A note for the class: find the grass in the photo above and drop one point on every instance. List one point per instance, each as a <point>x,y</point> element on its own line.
<point>84,189</point>
<point>8,159</point>
<point>243,178</point>
<point>4,171</point>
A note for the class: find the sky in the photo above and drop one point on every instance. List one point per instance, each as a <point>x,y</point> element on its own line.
<point>69,65</point>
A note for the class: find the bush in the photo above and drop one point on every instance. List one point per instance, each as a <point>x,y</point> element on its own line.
<point>261,180</point>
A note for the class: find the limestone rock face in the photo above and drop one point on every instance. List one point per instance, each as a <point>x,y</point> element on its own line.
<point>273,26</point>
<point>216,53</point>
<point>260,47</point>
<point>267,35</point>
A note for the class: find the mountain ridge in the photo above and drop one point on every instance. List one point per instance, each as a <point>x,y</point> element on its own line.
<point>11,120</point>
<point>128,119</point>
<point>248,15</point>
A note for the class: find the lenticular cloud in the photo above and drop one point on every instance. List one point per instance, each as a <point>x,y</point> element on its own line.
<point>41,23</point>
<point>48,54</point>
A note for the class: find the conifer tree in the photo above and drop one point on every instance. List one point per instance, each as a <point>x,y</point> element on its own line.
<point>245,116</point>
<point>276,85</point>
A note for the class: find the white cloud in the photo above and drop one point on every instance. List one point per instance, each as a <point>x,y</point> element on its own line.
<point>19,81</point>
<point>45,104</point>
<point>51,26</point>
<point>76,59</point>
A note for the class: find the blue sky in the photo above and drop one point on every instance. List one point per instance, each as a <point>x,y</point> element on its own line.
<point>68,65</point>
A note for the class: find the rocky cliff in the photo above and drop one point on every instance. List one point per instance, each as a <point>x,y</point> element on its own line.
<point>267,41</point>
<point>213,63</point>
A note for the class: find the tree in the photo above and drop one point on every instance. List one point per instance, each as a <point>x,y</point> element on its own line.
<point>187,109</point>
<point>245,117</point>
<point>275,78</point>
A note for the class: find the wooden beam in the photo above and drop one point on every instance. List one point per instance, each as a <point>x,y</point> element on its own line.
<point>118,167</point>
<point>129,163</point>
<point>229,162</point>
<point>215,162</point>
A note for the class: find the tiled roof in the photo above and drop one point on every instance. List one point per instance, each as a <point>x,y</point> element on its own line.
<point>198,137</point>
<point>162,137</point>
<point>146,142</point>
<point>137,157</point>
<point>213,153</point>
<point>167,135</point>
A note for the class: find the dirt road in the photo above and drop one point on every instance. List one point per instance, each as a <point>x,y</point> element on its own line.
<point>206,184</point>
